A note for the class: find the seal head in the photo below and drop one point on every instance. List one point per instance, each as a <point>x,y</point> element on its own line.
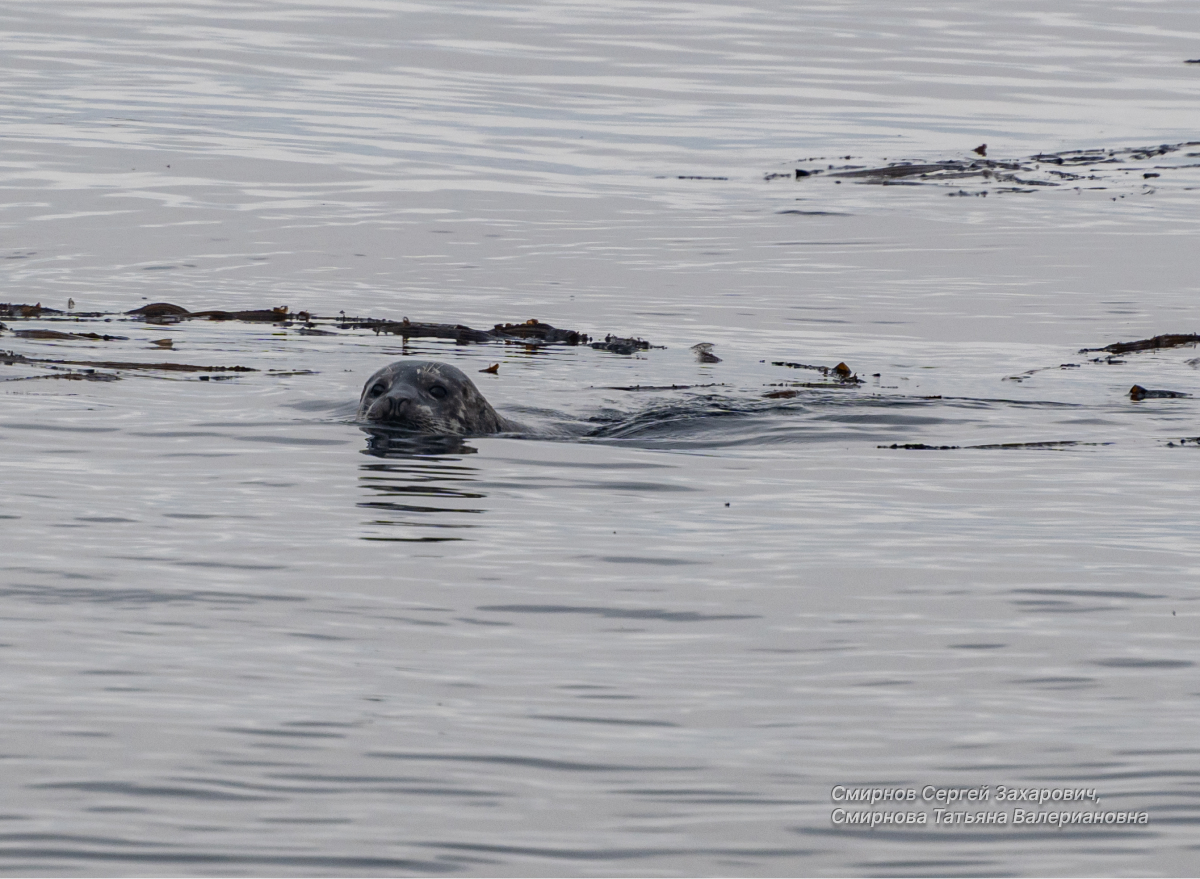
<point>427,397</point>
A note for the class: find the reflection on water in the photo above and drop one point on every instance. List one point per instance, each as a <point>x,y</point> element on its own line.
<point>421,487</point>
<point>385,443</point>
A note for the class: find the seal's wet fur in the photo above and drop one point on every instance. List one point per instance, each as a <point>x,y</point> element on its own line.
<point>427,397</point>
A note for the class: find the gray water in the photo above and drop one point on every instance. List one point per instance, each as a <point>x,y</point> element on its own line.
<point>238,639</point>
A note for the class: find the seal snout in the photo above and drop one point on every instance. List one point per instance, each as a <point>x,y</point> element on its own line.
<point>392,407</point>
<point>428,397</point>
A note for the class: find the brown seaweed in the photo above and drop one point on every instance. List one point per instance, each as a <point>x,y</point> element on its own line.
<point>1011,175</point>
<point>257,314</point>
<point>1168,340</point>
<point>55,334</point>
<point>534,329</point>
<point>841,372</point>
<point>1137,392</point>
<point>10,358</point>
<point>83,375</point>
<point>12,309</point>
<point>530,332</point>
<point>663,387</point>
<point>618,345</point>
<point>1047,444</point>
<point>159,309</point>
<point>415,330</point>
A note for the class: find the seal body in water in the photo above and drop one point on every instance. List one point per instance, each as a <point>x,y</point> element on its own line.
<point>427,397</point>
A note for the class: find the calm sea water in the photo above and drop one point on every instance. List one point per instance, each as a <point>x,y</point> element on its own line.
<point>236,641</point>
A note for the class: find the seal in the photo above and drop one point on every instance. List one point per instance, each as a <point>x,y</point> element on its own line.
<point>427,397</point>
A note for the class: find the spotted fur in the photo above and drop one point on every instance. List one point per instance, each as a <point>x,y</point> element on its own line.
<point>427,397</point>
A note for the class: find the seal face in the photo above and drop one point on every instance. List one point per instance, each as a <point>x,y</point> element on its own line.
<point>427,397</point>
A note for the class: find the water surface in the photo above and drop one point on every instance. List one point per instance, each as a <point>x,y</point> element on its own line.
<point>239,639</point>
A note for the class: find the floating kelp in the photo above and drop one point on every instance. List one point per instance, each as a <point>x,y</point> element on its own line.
<point>416,330</point>
<point>664,387</point>
<point>827,386</point>
<point>272,315</point>
<point>1032,372</point>
<point>1026,174</point>
<point>1169,340</point>
<point>1137,392</point>
<point>841,372</point>
<point>1048,444</point>
<point>531,332</point>
<point>544,333</point>
<point>159,309</point>
<point>10,358</point>
<point>923,447</point>
<point>50,335</point>
<point>618,345</point>
<point>10,309</point>
<point>82,375</point>
<point>1111,356</point>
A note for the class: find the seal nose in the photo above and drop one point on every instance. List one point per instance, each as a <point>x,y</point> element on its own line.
<point>393,407</point>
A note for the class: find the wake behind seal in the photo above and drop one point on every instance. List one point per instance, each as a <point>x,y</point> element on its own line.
<point>427,397</point>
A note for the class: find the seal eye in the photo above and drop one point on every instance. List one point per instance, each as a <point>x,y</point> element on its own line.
<point>377,389</point>
<point>438,392</point>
